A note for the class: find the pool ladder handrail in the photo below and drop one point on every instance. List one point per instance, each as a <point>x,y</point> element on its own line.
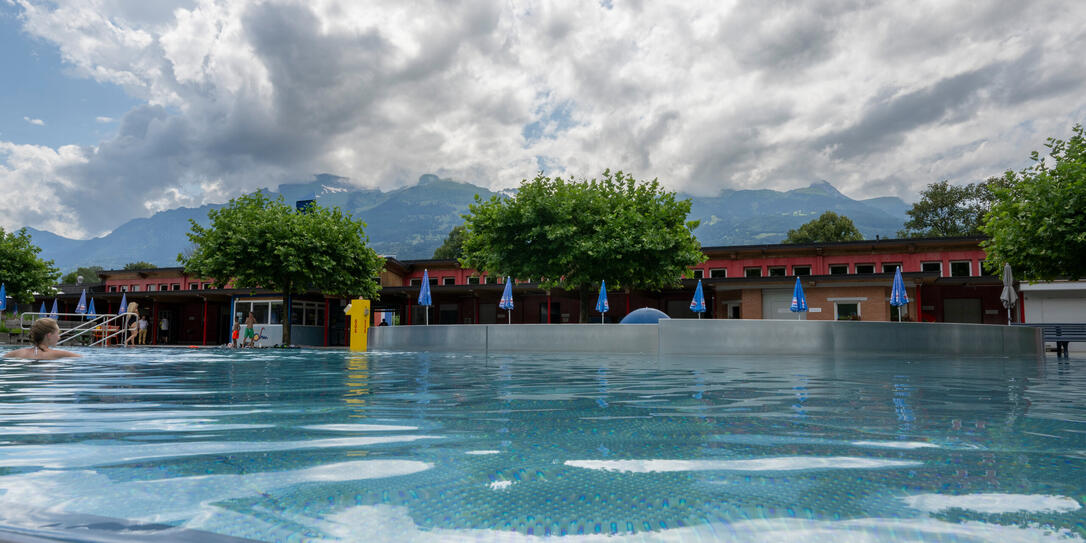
<point>84,326</point>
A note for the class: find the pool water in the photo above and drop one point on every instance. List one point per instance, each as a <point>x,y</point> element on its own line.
<point>205,445</point>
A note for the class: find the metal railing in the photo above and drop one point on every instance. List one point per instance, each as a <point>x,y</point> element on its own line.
<point>102,328</point>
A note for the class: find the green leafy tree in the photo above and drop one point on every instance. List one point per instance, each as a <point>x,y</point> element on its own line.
<point>946,210</point>
<point>259,242</point>
<point>1038,220</point>
<point>452,248</point>
<point>572,234</point>
<point>826,228</point>
<point>89,273</point>
<point>139,265</point>
<point>21,270</point>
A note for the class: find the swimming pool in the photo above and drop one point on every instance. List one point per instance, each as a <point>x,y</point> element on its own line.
<point>320,445</point>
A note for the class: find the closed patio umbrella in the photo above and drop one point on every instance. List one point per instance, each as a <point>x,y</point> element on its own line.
<point>898,296</point>
<point>697,305</point>
<point>799,300</point>
<point>1009,297</point>
<point>424,294</point>
<point>54,313</point>
<point>81,307</point>
<point>506,301</point>
<point>601,303</point>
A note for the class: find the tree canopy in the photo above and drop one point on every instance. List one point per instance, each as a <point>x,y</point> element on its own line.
<point>21,270</point>
<point>946,210</point>
<point>828,227</point>
<point>572,234</point>
<point>259,242</point>
<point>89,273</point>
<point>139,265</point>
<point>1038,220</point>
<point>452,247</point>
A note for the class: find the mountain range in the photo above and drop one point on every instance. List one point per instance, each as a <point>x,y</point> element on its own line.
<point>411,222</point>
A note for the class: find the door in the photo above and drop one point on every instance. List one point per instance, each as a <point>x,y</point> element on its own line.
<point>777,303</point>
<point>963,310</point>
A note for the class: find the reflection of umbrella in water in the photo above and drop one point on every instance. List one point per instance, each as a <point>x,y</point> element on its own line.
<point>697,305</point>
<point>799,300</point>
<point>1009,297</point>
<point>506,302</point>
<point>898,296</point>
<point>424,294</point>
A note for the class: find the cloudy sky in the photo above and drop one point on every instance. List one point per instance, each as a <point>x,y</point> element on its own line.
<point>115,109</point>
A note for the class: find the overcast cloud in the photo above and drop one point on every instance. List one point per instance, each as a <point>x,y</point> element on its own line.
<point>879,98</point>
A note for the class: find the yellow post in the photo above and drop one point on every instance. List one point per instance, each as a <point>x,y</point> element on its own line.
<point>359,312</point>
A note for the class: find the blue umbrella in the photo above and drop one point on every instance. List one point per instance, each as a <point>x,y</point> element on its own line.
<point>53,314</point>
<point>799,300</point>
<point>697,305</point>
<point>124,304</point>
<point>90,309</point>
<point>3,296</point>
<point>42,310</point>
<point>81,307</point>
<point>601,303</point>
<point>506,302</point>
<point>424,294</point>
<point>898,296</point>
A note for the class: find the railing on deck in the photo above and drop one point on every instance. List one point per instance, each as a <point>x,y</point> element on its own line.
<point>102,328</point>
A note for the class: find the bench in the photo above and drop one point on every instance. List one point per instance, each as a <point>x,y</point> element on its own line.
<point>1061,333</point>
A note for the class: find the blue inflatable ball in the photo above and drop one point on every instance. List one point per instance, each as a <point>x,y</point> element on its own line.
<point>645,315</point>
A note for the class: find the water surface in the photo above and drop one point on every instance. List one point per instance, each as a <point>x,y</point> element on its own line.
<point>319,445</point>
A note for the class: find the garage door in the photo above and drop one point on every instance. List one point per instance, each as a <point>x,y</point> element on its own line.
<point>965,310</point>
<point>776,303</point>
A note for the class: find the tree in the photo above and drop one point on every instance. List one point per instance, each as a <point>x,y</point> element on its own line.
<point>452,248</point>
<point>1038,221</point>
<point>946,210</point>
<point>139,265</point>
<point>259,242</point>
<point>89,273</point>
<point>572,234</point>
<point>826,228</point>
<point>21,270</point>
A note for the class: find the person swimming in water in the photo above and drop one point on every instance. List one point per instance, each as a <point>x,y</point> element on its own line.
<point>44,334</point>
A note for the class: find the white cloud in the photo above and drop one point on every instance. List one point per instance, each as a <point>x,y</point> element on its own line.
<point>35,122</point>
<point>104,120</point>
<point>242,94</point>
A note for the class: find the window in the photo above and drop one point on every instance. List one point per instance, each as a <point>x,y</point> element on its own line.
<point>150,288</point>
<point>699,274</point>
<point>891,267</point>
<point>865,268</point>
<point>847,311</point>
<point>936,267</point>
<point>194,286</point>
<point>556,313</point>
<point>718,273</point>
<point>260,311</point>
<point>175,286</point>
<point>275,315</point>
<point>242,309</point>
<point>135,288</point>
<point>448,281</point>
<point>961,269</point>
<point>113,289</point>
<point>164,287</point>
<point>776,271</point>
<point>124,288</point>
<point>490,280</point>
<point>801,270</point>
<point>473,280</point>
<point>838,269</point>
<point>752,272</point>
<point>433,281</point>
<point>416,282</point>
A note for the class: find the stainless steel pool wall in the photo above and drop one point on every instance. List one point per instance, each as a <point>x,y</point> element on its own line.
<point>708,337</point>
